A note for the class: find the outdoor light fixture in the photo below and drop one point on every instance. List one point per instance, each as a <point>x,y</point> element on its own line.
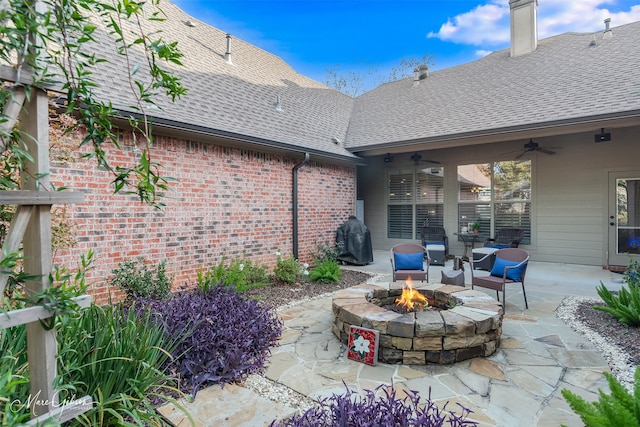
<point>603,136</point>
<point>388,158</point>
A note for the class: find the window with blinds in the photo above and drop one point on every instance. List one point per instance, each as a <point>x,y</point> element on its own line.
<point>415,200</point>
<point>496,195</point>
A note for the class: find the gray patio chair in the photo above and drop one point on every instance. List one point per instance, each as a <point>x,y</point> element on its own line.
<point>506,238</point>
<point>510,266</point>
<point>435,240</point>
<point>409,260</point>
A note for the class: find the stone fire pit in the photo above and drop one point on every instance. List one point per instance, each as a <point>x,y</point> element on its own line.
<point>471,327</point>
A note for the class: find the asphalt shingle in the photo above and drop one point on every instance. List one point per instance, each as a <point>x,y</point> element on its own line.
<point>564,79</point>
<point>237,98</point>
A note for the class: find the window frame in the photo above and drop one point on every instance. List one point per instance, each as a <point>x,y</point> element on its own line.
<point>418,205</point>
<point>490,199</point>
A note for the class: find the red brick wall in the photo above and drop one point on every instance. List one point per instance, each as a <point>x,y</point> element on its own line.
<point>227,201</point>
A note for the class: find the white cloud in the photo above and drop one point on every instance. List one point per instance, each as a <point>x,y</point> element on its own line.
<point>487,25</point>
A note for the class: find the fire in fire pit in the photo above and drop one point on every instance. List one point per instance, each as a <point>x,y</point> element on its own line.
<point>411,299</point>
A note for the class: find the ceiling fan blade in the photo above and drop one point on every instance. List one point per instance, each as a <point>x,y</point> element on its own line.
<point>522,154</point>
<point>431,161</point>
<point>546,151</point>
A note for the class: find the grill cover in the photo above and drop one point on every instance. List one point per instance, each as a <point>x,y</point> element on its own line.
<point>354,242</point>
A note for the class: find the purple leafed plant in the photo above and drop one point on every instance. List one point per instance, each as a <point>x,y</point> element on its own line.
<point>226,336</point>
<point>380,407</point>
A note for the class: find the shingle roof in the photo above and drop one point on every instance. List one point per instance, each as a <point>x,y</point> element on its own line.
<point>565,79</point>
<point>237,100</point>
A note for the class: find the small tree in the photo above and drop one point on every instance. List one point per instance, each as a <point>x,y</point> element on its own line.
<point>356,83</point>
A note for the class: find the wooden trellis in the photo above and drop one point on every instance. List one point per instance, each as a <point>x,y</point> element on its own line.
<point>31,227</point>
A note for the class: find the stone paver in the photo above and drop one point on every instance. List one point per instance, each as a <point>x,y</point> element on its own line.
<point>520,384</point>
<point>229,406</point>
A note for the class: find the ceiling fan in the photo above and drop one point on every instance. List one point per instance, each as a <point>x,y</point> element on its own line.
<point>534,146</point>
<point>417,158</point>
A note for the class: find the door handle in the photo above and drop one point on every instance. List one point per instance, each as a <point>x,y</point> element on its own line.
<point>612,223</point>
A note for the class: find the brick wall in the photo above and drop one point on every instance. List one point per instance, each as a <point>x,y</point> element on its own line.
<point>226,201</point>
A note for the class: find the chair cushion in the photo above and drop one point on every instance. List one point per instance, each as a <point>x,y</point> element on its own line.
<point>409,261</point>
<point>497,246</point>
<point>514,274</point>
<point>441,242</point>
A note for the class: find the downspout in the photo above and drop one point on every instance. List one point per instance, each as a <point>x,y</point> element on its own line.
<point>295,203</point>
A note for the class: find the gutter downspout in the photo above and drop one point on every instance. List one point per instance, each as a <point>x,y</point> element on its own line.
<point>294,199</point>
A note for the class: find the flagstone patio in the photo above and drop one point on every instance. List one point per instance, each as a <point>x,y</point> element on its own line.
<point>520,384</point>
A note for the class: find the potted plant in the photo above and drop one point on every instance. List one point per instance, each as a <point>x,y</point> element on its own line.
<point>475,227</point>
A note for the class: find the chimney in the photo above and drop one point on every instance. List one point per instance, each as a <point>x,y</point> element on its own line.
<point>227,54</point>
<point>524,26</point>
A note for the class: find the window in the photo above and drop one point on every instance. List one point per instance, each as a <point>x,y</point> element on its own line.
<point>415,199</point>
<point>497,195</point>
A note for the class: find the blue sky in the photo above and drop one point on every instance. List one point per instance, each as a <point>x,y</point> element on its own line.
<point>314,36</point>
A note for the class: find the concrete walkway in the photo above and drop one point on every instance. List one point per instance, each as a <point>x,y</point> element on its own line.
<point>518,385</point>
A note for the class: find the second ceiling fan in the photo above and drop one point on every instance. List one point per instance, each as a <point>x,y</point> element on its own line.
<point>532,146</point>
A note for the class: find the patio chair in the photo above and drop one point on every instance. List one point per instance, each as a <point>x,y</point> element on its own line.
<point>510,267</point>
<point>436,242</point>
<point>409,260</point>
<point>504,238</point>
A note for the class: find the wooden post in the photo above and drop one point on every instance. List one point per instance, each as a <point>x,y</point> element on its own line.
<point>41,344</point>
<point>32,224</point>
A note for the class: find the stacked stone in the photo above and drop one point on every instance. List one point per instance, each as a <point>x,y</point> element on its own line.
<point>462,324</point>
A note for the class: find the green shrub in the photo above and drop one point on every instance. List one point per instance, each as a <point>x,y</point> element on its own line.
<point>325,251</point>
<point>289,270</point>
<point>328,271</point>
<point>138,281</point>
<point>632,273</point>
<point>620,408</point>
<point>107,353</point>
<point>242,274</point>
<point>625,306</point>
<point>116,357</point>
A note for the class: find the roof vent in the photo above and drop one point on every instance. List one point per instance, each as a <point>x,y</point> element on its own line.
<point>607,31</point>
<point>227,54</point>
<point>278,105</point>
<point>422,72</point>
<point>190,23</point>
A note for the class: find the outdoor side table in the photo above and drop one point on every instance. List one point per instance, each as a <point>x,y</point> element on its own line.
<point>469,240</point>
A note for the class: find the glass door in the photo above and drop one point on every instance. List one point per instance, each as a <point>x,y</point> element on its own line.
<point>624,217</point>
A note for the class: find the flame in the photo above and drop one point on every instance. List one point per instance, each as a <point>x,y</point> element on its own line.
<point>410,298</point>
